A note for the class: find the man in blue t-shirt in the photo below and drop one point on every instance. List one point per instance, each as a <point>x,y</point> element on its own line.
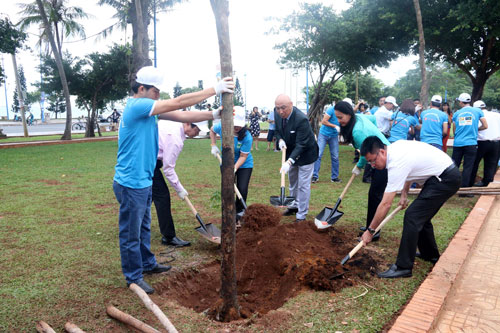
<point>136,161</point>
<point>328,134</point>
<point>434,124</point>
<point>465,128</point>
<point>381,102</point>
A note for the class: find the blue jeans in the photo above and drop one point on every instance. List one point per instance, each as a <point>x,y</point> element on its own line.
<point>135,231</point>
<point>333,142</point>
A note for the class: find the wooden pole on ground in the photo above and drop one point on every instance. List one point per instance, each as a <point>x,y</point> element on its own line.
<point>43,327</point>
<point>153,307</point>
<point>72,328</point>
<point>129,320</point>
<point>230,308</point>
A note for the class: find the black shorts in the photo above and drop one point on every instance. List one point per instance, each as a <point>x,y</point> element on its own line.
<point>270,135</point>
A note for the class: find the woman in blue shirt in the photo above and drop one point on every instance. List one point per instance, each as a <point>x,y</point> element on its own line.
<point>404,122</point>
<point>243,159</point>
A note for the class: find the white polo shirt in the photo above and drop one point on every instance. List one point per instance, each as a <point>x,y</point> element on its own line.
<point>383,117</point>
<point>492,133</point>
<point>413,161</point>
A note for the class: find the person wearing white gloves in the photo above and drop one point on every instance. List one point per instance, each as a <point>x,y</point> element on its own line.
<point>135,165</point>
<point>171,136</point>
<point>243,159</point>
<point>355,128</point>
<point>294,133</point>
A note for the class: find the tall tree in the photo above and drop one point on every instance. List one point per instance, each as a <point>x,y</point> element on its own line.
<point>177,90</point>
<point>238,96</point>
<point>464,33</point>
<point>369,87</point>
<point>424,91</point>
<point>203,104</point>
<point>139,14</point>
<point>230,309</point>
<point>58,58</point>
<point>22,82</point>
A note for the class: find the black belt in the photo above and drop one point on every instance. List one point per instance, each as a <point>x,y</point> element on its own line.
<point>448,169</point>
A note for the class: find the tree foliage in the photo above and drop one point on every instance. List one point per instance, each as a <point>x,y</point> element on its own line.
<point>16,104</point>
<point>369,88</point>
<point>238,96</point>
<point>177,90</point>
<point>10,40</point>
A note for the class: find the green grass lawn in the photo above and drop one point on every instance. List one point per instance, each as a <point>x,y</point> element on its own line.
<point>59,239</point>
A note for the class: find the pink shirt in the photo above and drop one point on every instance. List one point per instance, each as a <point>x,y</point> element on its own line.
<point>170,143</point>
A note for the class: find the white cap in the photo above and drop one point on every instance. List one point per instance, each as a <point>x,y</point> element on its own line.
<point>464,97</point>
<point>348,100</point>
<point>150,76</point>
<point>479,104</point>
<point>203,126</point>
<point>391,99</point>
<point>436,99</point>
<point>239,116</point>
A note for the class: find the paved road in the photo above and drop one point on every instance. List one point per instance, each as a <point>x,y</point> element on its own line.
<point>54,127</point>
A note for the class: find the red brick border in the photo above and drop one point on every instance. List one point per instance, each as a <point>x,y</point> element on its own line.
<point>423,310</point>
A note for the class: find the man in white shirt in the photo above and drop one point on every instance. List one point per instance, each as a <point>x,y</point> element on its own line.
<point>171,136</point>
<point>407,162</point>
<point>488,146</point>
<point>384,115</point>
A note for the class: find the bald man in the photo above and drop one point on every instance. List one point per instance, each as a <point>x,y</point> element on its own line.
<point>294,133</point>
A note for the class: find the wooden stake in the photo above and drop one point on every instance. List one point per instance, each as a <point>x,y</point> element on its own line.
<point>43,327</point>
<point>72,328</point>
<point>153,307</point>
<point>129,320</point>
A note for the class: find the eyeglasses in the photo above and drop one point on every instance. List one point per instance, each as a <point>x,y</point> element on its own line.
<point>282,107</point>
<point>372,163</point>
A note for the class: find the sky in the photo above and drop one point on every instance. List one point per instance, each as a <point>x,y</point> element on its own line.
<point>188,51</point>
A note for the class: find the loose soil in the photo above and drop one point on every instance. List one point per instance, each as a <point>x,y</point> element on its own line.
<point>274,263</point>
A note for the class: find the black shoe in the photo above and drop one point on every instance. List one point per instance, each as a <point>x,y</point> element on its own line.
<point>336,180</point>
<point>177,242</point>
<point>479,184</point>
<point>299,220</point>
<point>466,195</point>
<point>290,211</point>
<point>314,180</point>
<point>159,268</point>
<point>362,229</point>
<point>144,286</point>
<point>395,272</point>
<point>432,260</point>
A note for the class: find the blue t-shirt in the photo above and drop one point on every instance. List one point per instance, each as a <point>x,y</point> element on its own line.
<point>432,126</point>
<point>270,116</point>
<point>327,130</point>
<point>137,144</point>
<point>374,109</point>
<point>466,122</point>
<point>401,124</point>
<point>243,146</point>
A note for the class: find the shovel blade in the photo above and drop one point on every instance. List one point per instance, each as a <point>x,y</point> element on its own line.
<point>212,233</point>
<point>327,217</point>
<point>276,200</point>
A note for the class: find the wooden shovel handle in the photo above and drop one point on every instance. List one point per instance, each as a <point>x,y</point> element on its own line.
<point>283,157</point>
<point>347,186</point>
<point>190,205</point>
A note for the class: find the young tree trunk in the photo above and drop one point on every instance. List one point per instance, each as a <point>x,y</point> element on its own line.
<point>20,95</point>
<point>478,84</point>
<point>62,74</point>
<point>140,40</point>
<point>230,308</point>
<point>424,90</point>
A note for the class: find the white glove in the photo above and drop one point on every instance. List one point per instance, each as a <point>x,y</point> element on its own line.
<point>182,194</point>
<point>215,150</point>
<point>226,85</point>
<point>356,170</point>
<point>282,144</point>
<point>285,167</point>
<point>216,114</point>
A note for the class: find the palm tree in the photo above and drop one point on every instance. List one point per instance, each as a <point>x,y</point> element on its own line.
<point>62,20</point>
<point>138,13</point>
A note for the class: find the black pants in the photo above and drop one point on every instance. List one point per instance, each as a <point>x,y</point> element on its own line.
<point>468,153</point>
<point>161,198</point>
<point>489,151</point>
<point>417,226</point>
<point>376,192</point>
<point>242,180</point>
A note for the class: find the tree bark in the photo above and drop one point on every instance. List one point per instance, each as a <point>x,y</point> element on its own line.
<point>230,309</point>
<point>139,17</point>
<point>62,74</point>
<point>424,90</point>
<point>20,95</point>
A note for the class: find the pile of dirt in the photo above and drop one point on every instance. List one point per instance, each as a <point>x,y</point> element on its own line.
<point>274,263</point>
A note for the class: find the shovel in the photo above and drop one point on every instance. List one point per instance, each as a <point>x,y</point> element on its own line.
<point>328,216</point>
<point>238,194</point>
<point>208,231</point>
<point>282,200</point>
<point>361,243</point>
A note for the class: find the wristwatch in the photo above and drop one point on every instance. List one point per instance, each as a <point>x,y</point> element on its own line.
<point>371,230</point>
